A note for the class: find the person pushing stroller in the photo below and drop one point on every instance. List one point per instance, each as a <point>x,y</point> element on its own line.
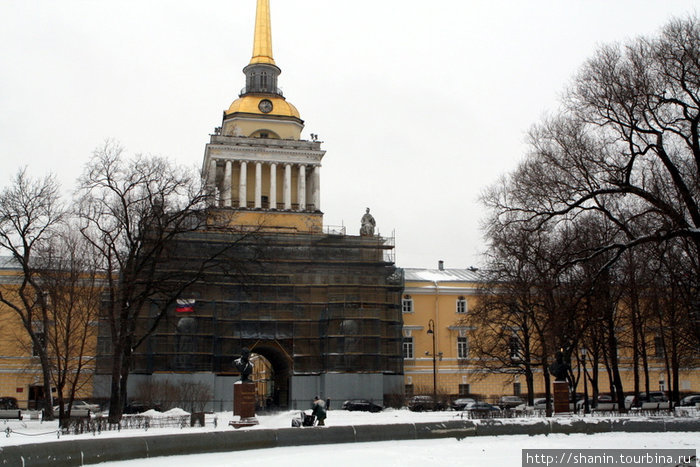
<point>318,410</point>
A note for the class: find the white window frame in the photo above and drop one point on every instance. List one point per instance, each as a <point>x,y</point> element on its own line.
<point>408,348</point>
<point>407,304</point>
<point>462,307</point>
<point>462,348</point>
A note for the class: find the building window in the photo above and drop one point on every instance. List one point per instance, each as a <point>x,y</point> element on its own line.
<point>462,347</point>
<point>516,389</point>
<point>464,389</point>
<point>409,390</point>
<point>658,347</point>
<point>407,304</point>
<point>461,305</point>
<point>408,347</point>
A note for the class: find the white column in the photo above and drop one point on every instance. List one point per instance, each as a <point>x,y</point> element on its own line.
<point>242,186</point>
<point>273,186</point>
<point>227,184</point>
<point>287,187</point>
<point>258,185</point>
<point>211,182</point>
<point>317,187</point>
<point>301,195</point>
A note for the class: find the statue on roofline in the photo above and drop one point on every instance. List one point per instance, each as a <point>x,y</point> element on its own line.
<point>368,224</point>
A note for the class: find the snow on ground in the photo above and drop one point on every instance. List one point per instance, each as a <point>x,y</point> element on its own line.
<point>471,451</point>
<point>34,431</point>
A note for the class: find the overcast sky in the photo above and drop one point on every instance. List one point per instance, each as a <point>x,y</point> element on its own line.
<point>421,105</point>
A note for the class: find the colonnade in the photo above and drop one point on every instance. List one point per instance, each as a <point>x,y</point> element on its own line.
<point>308,189</point>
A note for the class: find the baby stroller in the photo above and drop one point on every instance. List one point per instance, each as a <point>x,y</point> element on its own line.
<point>303,420</point>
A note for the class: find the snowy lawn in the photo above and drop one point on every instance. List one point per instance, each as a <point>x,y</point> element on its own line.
<point>471,451</point>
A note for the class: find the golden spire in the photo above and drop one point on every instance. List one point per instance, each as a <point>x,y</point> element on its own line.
<point>262,43</point>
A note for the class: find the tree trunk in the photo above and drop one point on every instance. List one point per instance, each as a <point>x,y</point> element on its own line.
<point>530,383</point>
<point>547,388</point>
<point>614,366</point>
<point>116,405</point>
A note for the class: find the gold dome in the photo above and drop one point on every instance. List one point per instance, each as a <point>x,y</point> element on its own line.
<point>250,104</point>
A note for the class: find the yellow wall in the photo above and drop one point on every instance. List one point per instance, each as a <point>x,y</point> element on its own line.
<point>439,303</point>
<point>281,221</point>
<point>18,368</point>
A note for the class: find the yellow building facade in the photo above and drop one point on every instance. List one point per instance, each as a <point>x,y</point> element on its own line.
<point>20,369</point>
<point>439,300</point>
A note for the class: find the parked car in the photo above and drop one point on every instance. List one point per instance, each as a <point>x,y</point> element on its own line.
<point>136,407</point>
<point>483,408</point>
<point>361,405</point>
<point>541,403</point>
<point>510,402</point>
<point>422,403</point>
<point>690,401</point>
<point>602,399</point>
<point>458,404</point>
<point>653,396</point>
<point>80,409</point>
<point>8,403</point>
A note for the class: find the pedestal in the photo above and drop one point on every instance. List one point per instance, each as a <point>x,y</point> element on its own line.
<point>561,397</point>
<point>244,405</point>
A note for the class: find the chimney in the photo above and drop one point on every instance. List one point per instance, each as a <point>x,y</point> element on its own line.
<point>441,265</point>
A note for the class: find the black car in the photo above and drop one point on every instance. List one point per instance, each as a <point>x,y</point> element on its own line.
<point>361,405</point>
<point>690,401</point>
<point>8,403</point>
<point>137,407</point>
<point>422,403</point>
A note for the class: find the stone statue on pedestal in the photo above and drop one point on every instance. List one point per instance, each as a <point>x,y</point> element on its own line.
<point>559,369</point>
<point>368,224</point>
<point>244,366</point>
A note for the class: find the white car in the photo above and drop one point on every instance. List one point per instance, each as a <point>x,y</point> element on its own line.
<point>80,409</point>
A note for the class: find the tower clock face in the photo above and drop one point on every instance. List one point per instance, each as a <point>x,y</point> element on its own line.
<point>265,106</point>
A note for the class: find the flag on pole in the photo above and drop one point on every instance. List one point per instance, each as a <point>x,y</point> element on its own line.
<point>185,306</point>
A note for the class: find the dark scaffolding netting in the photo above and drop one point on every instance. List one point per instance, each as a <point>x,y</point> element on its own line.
<point>330,303</point>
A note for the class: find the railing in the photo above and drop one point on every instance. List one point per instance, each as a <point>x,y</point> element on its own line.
<point>277,91</point>
<point>334,230</point>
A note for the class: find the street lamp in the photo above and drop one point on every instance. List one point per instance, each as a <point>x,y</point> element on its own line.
<point>586,408</point>
<point>431,331</point>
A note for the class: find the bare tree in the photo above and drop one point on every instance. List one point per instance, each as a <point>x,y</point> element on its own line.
<point>626,147</point>
<point>30,215</point>
<point>134,212</point>
<point>72,284</point>
<point>531,302</point>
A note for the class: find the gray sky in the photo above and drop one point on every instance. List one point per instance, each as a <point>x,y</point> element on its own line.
<point>421,105</point>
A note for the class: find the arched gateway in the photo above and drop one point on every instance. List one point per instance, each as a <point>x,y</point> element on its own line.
<point>321,306</point>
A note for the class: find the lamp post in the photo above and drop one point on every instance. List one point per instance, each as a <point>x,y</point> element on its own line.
<point>586,408</point>
<point>431,331</point>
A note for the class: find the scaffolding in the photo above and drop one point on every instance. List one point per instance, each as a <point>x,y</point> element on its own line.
<point>310,303</point>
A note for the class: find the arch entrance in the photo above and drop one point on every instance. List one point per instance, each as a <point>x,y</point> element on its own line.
<point>272,368</point>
